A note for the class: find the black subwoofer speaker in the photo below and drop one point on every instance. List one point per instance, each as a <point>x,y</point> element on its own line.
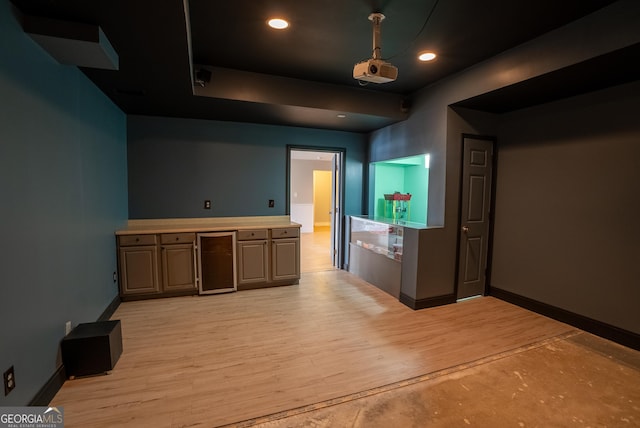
<point>92,348</point>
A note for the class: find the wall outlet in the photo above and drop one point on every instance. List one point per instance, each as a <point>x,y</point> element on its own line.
<point>207,204</point>
<point>9,381</point>
<point>67,328</point>
<point>115,276</point>
<point>272,203</point>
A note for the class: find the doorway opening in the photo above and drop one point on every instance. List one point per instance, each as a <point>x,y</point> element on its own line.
<point>315,197</point>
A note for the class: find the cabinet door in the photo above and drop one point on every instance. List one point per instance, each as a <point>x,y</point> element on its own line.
<point>285,259</point>
<point>178,269</point>
<point>139,270</point>
<point>252,262</point>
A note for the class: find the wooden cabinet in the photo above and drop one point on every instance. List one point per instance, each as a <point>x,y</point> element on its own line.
<point>156,265</point>
<point>285,254</point>
<point>138,258</point>
<point>166,264</point>
<point>178,261</point>
<point>253,257</point>
<point>268,257</point>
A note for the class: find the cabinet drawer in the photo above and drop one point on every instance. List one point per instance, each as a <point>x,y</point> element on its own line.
<point>285,232</point>
<point>177,238</point>
<point>127,240</point>
<point>250,235</point>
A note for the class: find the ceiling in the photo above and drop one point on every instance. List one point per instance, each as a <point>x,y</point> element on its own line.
<point>301,76</point>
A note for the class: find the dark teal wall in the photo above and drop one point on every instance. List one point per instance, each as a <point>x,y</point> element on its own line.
<point>175,164</point>
<point>63,193</point>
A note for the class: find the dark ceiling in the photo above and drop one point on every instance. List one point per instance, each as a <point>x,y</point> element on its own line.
<point>303,75</point>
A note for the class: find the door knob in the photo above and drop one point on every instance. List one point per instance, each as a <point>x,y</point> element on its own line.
<point>465,229</point>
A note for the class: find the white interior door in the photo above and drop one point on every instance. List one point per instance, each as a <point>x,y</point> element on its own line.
<point>336,210</point>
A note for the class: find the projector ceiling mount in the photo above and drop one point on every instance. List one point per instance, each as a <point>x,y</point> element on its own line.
<point>376,18</point>
<point>375,69</point>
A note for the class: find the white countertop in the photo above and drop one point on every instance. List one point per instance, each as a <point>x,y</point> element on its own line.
<point>209,224</point>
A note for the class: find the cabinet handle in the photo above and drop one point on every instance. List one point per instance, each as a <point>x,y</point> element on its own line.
<point>196,271</point>
<point>177,238</point>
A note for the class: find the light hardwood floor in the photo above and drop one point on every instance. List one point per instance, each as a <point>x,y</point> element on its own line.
<point>207,361</point>
<point>315,250</point>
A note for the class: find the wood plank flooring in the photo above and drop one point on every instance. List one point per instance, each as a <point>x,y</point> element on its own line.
<point>315,250</point>
<point>206,361</point>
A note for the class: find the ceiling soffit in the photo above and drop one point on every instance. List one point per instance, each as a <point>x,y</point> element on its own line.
<point>301,77</point>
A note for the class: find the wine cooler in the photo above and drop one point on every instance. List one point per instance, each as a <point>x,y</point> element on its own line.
<point>217,262</point>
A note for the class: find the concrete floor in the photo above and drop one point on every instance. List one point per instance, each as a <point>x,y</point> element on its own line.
<point>578,380</point>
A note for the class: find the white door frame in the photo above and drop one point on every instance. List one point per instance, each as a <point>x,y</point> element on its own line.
<point>337,197</point>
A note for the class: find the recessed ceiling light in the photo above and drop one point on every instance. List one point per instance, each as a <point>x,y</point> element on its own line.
<point>278,23</point>
<point>342,116</point>
<point>427,56</point>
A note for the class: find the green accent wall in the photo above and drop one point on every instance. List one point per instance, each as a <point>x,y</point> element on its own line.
<point>405,175</point>
<point>387,179</point>
<point>417,183</point>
